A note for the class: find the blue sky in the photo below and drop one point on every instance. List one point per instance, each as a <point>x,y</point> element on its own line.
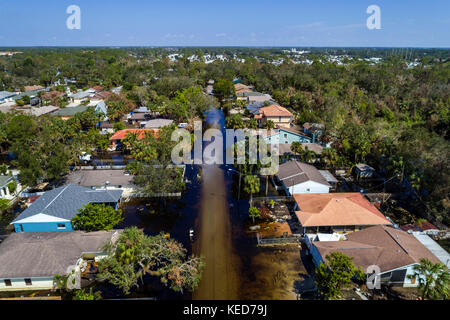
<point>404,23</point>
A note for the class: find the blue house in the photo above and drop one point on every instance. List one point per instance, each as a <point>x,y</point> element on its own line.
<point>287,136</point>
<point>54,210</point>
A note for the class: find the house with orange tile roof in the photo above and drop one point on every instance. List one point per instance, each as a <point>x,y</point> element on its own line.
<point>280,116</point>
<point>336,212</point>
<point>118,136</point>
<point>388,252</point>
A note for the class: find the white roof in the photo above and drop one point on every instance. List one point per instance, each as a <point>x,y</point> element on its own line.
<point>434,247</point>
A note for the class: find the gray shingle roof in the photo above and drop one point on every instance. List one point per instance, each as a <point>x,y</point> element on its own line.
<point>64,202</point>
<point>44,254</point>
<point>4,180</point>
<point>70,111</point>
<point>294,172</point>
<point>158,123</point>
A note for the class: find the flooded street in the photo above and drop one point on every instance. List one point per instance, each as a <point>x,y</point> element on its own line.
<point>214,228</point>
<point>219,279</point>
<point>235,267</point>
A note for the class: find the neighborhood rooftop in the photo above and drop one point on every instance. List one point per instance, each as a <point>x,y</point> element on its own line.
<point>64,202</point>
<point>383,246</point>
<point>337,209</point>
<point>96,178</point>
<point>44,254</point>
<point>294,172</point>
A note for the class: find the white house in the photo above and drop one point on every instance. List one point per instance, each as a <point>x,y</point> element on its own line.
<point>297,177</point>
<point>29,260</point>
<point>389,253</point>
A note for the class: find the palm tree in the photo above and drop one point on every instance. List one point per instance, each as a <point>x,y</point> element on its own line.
<point>297,148</point>
<point>330,157</point>
<point>269,125</point>
<point>434,279</point>
<point>251,185</point>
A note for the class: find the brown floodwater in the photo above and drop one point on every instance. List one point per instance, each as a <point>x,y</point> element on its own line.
<point>214,244</point>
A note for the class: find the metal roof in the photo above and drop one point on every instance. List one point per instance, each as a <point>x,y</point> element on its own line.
<point>434,247</point>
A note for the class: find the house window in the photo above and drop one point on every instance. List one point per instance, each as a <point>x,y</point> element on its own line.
<point>28,282</point>
<point>21,227</point>
<point>279,119</point>
<point>61,226</point>
<point>285,135</point>
<point>8,282</point>
<point>308,190</point>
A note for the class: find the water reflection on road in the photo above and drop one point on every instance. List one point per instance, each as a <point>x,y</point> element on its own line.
<point>220,277</point>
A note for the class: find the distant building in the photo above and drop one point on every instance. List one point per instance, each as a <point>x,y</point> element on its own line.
<point>118,136</point>
<point>157,123</point>
<point>54,210</point>
<point>6,96</point>
<point>279,115</point>
<point>4,189</point>
<point>29,261</point>
<point>69,112</point>
<point>254,97</point>
<point>363,170</point>
<point>284,135</point>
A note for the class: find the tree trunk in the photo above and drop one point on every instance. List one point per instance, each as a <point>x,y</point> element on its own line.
<point>267,184</point>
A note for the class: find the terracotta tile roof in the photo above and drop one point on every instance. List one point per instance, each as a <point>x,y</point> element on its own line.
<point>32,88</point>
<point>337,209</point>
<point>121,134</point>
<point>384,246</point>
<point>275,111</point>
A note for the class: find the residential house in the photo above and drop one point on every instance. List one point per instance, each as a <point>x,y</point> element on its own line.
<point>69,112</point>
<point>138,118</point>
<point>363,170</point>
<point>33,88</point>
<point>393,251</point>
<point>336,212</point>
<point>29,261</point>
<point>297,177</point>
<point>102,179</point>
<point>106,127</point>
<point>284,135</point>
<point>332,181</point>
<point>157,123</point>
<point>118,136</point>
<point>39,111</point>
<point>314,129</point>
<point>241,88</point>
<point>4,189</point>
<point>251,97</point>
<point>279,115</point>
<point>82,96</point>
<point>6,96</point>
<point>433,246</point>
<point>54,210</point>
